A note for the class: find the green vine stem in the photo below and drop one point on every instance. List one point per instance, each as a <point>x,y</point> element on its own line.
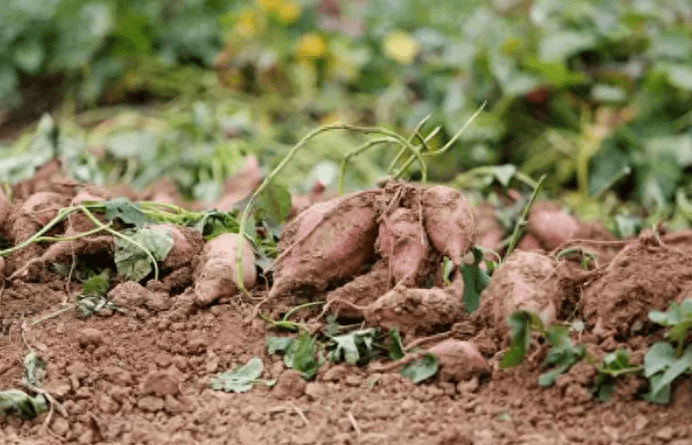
<point>523,219</point>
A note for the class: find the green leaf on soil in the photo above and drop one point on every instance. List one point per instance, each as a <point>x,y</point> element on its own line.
<point>278,345</point>
<point>15,402</point>
<point>663,395</point>
<point>34,369</point>
<point>132,261</point>
<point>124,210</point>
<point>420,370</point>
<point>396,347</point>
<point>562,354</point>
<point>354,348</point>
<point>660,356</point>
<point>240,379</point>
<point>302,356</point>
<point>677,368</point>
<point>475,280</point>
<point>521,323</point>
<point>96,284</point>
<point>614,364</point>
<point>87,305</point>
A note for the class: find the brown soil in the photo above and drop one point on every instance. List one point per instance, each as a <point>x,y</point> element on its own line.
<point>141,374</point>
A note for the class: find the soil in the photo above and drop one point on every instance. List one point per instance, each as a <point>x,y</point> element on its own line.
<point>140,375</point>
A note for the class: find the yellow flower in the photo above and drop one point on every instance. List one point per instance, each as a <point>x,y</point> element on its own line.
<point>270,5</point>
<point>289,11</point>
<point>246,25</point>
<point>401,47</point>
<point>311,46</point>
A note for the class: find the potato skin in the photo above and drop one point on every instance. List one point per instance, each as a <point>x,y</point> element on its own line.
<point>449,221</point>
<point>217,272</point>
<point>328,242</point>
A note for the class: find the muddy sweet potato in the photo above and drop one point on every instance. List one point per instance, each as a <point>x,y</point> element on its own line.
<point>459,360</point>
<point>525,281</point>
<point>187,244</point>
<point>449,221</point>
<point>416,311</point>
<point>327,243</point>
<point>216,272</point>
<point>550,225</point>
<point>402,242</point>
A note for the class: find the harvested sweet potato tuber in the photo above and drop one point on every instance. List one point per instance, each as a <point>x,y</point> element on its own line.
<point>328,242</point>
<point>525,281</point>
<point>187,243</point>
<point>414,311</point>
<point>216,273</point>
<point>403,244</point>
<point>459,360</point>
<point>448,221</point>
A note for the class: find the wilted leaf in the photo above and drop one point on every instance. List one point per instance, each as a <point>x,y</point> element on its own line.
<point>302,356</point>
<point>132,261</point>
<point>475,281</point>
<point>278,344</point>
<point>34,369</point>
<point>420,370</point>
<point>241,379</point>
<point>15,402</point>
<point>124,210</point>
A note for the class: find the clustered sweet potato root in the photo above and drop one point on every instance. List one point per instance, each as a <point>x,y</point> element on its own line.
<point>380,251</point>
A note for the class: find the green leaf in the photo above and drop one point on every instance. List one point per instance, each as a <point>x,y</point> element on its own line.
<point>132,261</point>
<point>34,369</point>
<point>17,403</point>
<point>520,326</point>
<point>96,284</point>
<point>354,348</point>
<point>302,356</point>
<point>396,347</point>
<point>273,204</point>
<point>29,55</point>
<point>240,379</point>
<point>420,370</point>
<point>660,356</point>
<point>558,46</point>
<point>676,369</point>
<point>475,281</point>
<point>125,210</point>
<point>662,397</point>
<point>504,173</point>
<point>135,145</point>
<point>605,385</point>
<point>548,378</point>
<point>278,344</point>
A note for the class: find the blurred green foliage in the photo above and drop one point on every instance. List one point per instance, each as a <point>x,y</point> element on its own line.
<point>597,94</point>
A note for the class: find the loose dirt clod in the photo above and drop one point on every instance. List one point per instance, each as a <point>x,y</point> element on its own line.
<point>187,244</point>
<point>216,273</point>
<point>644,276</point>
<point>362,291</point>
<point>327,243</point>
<point>524,281</point>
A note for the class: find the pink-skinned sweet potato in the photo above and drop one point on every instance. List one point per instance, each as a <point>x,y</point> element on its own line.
<point>402,242</point>
<point>216,274</point>
<point>417,311</point>
<point>459,360</point>
<point>524,281</point>
<point>329,242</point>
<point>448,220</point>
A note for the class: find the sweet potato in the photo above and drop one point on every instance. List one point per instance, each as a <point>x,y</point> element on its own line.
<point>525,281</point>
<point>187,243</point>
<point>459,360</point>
<point>327,243</point>
<point>403,244</point>
<point>550,225</point>
<point>448,221</point>
<point>4,207</point>
<point>415,311</point>
<point>216,273</point>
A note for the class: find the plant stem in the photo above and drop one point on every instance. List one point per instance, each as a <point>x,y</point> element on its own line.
<point>521,223</point>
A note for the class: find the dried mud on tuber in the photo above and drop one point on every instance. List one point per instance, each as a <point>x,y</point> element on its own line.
<point>120,322</point>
